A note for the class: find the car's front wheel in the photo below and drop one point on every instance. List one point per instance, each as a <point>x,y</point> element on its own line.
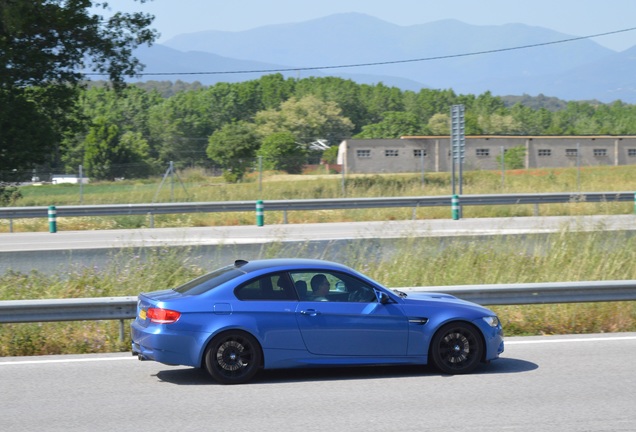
<point>456,348</point>
<point>233,357</point>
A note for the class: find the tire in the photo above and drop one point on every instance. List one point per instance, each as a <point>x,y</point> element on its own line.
<point>233,357</point>
<point>456,348</point>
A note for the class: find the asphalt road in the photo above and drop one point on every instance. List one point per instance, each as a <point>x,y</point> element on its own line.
<point>557,383</point>
<point>209,247</point>
<point>251,234</point>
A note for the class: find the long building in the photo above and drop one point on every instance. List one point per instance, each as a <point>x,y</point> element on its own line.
<point>433,153</point>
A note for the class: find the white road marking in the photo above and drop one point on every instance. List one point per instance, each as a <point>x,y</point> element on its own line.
<point>74,360</point>
<point>507,342</point>
<point>544,341</point>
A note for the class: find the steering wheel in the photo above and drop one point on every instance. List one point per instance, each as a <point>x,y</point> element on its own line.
<point>362,294</point>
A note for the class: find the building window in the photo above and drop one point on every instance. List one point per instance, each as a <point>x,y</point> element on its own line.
<point>419,153</point>
<point>571,152</point>
<point>482,152</point>
<point>545,152</point>
<point>631,152</point>
<point>600,152</point>
<point>391,153</point>
<point>363,153</point>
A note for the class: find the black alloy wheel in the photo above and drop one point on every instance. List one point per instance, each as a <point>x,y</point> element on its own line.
<point>233,357</point>
<point>456,348</point>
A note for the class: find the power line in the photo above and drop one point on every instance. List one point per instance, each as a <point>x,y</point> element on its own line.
<point>355,65</point>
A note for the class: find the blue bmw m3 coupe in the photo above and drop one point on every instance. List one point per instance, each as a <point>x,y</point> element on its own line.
<point>287,313</point>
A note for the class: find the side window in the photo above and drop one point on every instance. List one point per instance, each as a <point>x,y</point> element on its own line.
<point>276,286</point>
<point>331,286</point>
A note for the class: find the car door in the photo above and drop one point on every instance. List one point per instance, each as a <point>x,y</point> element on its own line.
<point>267,307</point>
<point>347,323</point>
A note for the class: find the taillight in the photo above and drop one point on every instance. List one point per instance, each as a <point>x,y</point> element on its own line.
<point>162,316</point>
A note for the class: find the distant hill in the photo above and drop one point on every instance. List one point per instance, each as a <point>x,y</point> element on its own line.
<point>578,70</point>
<point>607,79</point>
<point>162,62</point>
<point>163,59</point>
<point>535,102</point>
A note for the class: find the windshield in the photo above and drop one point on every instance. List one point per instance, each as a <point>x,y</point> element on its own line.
<point>209,281</point>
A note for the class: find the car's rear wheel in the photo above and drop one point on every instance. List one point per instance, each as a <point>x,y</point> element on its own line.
<point>233,357</point>
<point>456,348</point>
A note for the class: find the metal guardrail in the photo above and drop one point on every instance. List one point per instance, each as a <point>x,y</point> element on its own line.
<point>121,308</point>
<point>539,293</point>
<point>312,204</point>
<point>76,309</point>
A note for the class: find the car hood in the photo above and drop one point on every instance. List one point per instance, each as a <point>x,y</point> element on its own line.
<point>432,298</point>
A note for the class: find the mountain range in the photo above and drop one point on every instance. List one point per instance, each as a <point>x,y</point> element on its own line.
<point>511,59</point>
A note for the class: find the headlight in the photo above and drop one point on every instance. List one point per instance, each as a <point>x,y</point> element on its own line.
<point>492,321</point>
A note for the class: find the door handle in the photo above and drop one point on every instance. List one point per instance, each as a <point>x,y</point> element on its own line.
<point>310,312</point>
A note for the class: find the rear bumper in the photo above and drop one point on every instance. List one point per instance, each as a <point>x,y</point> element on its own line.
<point>142,353</point>
<point>158,343</point>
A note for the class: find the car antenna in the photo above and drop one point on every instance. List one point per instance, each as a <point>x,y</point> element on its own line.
<point>240,263</point>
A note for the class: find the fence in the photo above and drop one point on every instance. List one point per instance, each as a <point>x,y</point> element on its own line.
<point>12,213</point>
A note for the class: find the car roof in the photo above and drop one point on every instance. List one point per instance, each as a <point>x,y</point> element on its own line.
<point>287,263</point>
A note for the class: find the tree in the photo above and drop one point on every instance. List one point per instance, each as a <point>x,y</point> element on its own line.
<point>180,127</point>
<point>26,135</point>
<point>44,45</point>
<point>531,121</point>
<point>110,154</point>
<point>281,152</point>
<point>379,99</point>
<point>394,125</point>
<point>497,124</point>
<point>274,89</point>
<point>439,124</point>
<point>9,194</point>
<point>487,104</point>
<point>428,102</point>
<point>330,155</point>
<point>308,119</point>
<point>345,93</point>
<point>128,109</point>
<point>514,158</point>
<point>234,147</point>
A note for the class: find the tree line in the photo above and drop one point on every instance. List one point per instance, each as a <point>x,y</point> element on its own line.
<point>136,131</point>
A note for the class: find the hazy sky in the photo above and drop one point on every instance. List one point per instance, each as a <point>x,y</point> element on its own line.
<point>573,17</point>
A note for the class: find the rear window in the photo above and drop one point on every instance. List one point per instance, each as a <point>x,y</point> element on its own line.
<point>209,281</point>
<point>276,286</point>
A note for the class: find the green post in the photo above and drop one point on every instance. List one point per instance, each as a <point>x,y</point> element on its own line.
<point>52,219</point>
<point>455,207</point>
<point>260,213</point>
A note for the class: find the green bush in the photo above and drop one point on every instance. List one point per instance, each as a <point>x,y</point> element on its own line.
<point>9,195</point>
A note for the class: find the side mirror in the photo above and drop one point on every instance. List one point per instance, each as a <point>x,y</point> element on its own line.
<point>383,298</point>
